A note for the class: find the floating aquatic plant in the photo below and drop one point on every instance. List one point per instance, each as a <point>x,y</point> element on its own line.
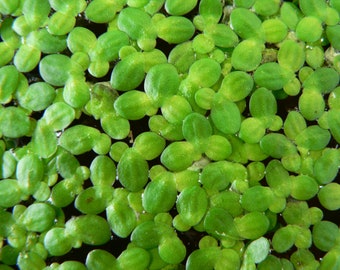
<point>167,134</point>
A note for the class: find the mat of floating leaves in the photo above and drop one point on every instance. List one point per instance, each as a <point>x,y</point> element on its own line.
<point>167,134</point>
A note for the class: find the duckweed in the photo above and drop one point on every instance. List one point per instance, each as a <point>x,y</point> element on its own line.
<point>206,258</point>
<point>56,241</point>
<point>304,257</point>
<point>176,114</point>
<point>272,76</point>
<point>93,200</point>
<point>192,204</point>
<point>219,223</point>
<point>246,24</point>
<point>278,178</point>
<point>59,115</point>
<point>197,135</point>
<point>213,176</point>
<point>10,193</point>
<point>328,196</point>
<point>86,227</point>
<point>160,195</point>
<point>132,105</point>
<point>258,250</point>
<point>29,173</point>
<point>14,122</point>
<point>266,7</point>
<point>72,264</point>
<point>136,23</point>
<point>203,44</point>
<point>274,30</point>
<point>325,166</point>
<point>6,52</point>
<point>225,111</point>
<point>55,69</point>
<point>38,217</point>
<point>170,246</point>
<point>8,7</point>
<point>315,57</point>
<point>204,72</point>
<point>60,23</point>
<point>109,44</point>
<point>283,146</point>
<point>135,258</point>
<point>247,55</point>
<point>161,82</point>
<point>79,139</point>
<point>179,156</point>
<point>99,258</point>
<point>129,69</point>
<point>329,260</point>
<point>122,218</point>
<point>294,124</point>
<point>304,187</point>
<point>196,129</point>
<point>9,82</point>
<point>37,97</point>
<point>132,170</point>
<point>146,235</point>
<point>100,11</point>
<point>80,39</point>
<point>210,10</point>
<point>332,34</point>
<point>175,7</point>
<point>222,35</point>
<point>26,58</point>
<point>284,238</point>
<point>313,138</point>
<point>236,85</point>
<point>314,98</point>
<point>291,55</point>
<point>324,79</point>
<point>36,12</point>
<point>252,130</point>
<point>323,235</point>
<point>257,198</point>
<point>333,121</point>
<point>257,221</point>
<point>30,260</point>
<point>262,103</point>
<point>309,29</point>
<point>175,29</point>
<point>182,56</point>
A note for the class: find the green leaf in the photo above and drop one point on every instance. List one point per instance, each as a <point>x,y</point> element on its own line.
<point>258,250</point>
<point>14,122</point>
